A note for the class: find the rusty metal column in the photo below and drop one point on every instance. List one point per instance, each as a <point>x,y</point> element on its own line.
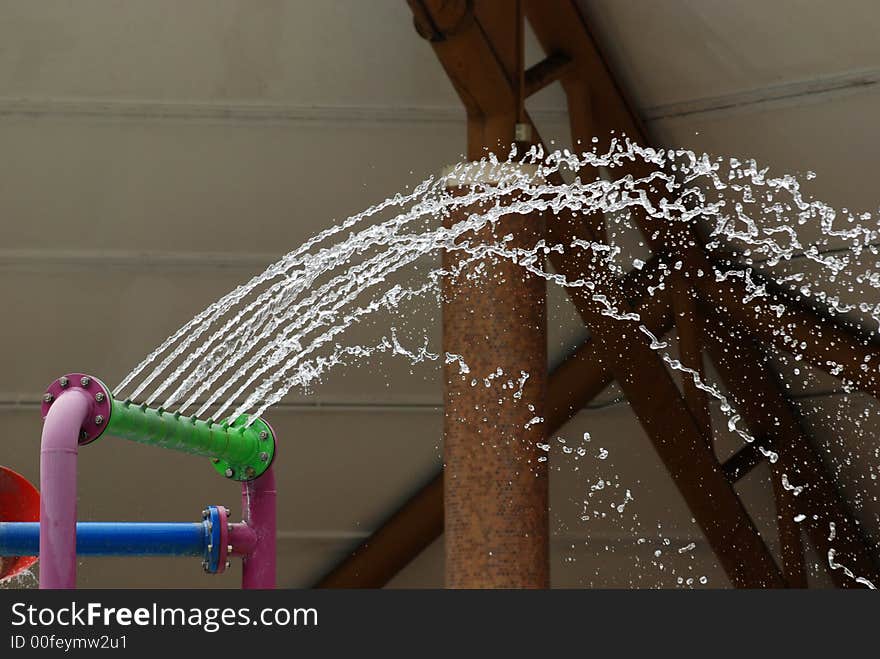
<point>495,489</point>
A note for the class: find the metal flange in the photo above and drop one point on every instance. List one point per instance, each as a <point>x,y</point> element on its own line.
<point>99,418</point>
<point>261,460</point>
<point>216,520</point>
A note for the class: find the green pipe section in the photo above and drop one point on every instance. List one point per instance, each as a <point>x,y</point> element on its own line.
<point>237,451</point>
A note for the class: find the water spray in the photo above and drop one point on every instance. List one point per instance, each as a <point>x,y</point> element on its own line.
<point>285,328</point>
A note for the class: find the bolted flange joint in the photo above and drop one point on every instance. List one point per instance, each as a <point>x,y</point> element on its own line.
<point>216,522</point>
<point>99,394</point>
<point>259,460</point>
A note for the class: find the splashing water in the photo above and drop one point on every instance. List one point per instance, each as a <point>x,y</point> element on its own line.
<point>287,327</point>
<point>24,579</point>
<point>283,328</point>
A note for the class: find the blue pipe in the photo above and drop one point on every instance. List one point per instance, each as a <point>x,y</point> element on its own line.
<point>113,538</point>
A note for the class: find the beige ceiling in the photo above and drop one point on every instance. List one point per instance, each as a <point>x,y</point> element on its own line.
<point>156,154</point>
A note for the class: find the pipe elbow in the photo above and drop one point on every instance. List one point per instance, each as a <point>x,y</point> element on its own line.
<point>62,424</point>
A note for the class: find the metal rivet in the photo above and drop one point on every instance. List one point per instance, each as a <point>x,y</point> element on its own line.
<point>83,434</point>
<point>215,460</point>
<point>264,456</point>
<point>48,398</point>
<point>227,565</point>
<point>99,396</point>
<point>250,472</point>
<point>229,473</point>
<point>264,434</point>
<point>205,565</point>
<point>63,382</point>
<point>210,548</point>
<point>228,549</point>
<point>99,419</point>
<point>226,511</point>
<point>205,514</point>
<point>84,381</point>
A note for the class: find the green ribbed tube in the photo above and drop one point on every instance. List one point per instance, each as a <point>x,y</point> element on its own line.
<point>237,452</point>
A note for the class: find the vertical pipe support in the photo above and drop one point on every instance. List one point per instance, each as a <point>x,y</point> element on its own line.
<point>71,410</point>
<point>258,501</point>
<point>495,488</point>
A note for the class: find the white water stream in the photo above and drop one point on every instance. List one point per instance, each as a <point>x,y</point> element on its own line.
<point>290,325</point>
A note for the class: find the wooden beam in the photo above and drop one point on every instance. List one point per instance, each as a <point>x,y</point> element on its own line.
<point>549,70</point>
<point>459,41</point>
<point>679,429</point>
<point>823,342</point>
<point>741,463</point>
<point>689,325</point>
<point>767,413</point>
<point>665,417</point>
<point>560,27</point>
<point>402,537</point>
<point>575,382</point>
<point>791,542</point>
<point>614,115</point>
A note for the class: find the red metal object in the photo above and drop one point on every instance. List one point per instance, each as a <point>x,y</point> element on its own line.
<point>19,502</point>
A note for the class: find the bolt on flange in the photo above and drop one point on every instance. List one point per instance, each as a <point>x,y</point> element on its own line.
<point>99,395</point>
<point>255,464</point>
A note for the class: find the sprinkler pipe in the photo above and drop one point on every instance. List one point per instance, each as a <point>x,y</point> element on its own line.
<point>112,539</point>
<point>131,539</point>
<point>20,540</point>
<point>78,409</point>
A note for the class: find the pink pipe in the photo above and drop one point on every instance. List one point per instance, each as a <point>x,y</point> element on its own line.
<point>258,504</point>
<point>242,539</point>
<point>58,455</point>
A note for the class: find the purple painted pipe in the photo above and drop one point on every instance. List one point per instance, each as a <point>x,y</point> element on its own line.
<point>242,539</point>
<point>58,451</point>
<point>258,504</point>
